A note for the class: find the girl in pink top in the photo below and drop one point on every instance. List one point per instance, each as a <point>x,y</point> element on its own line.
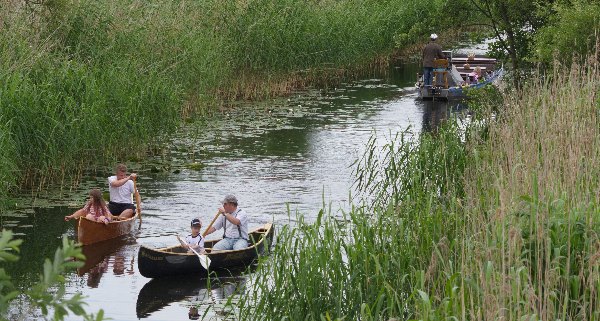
<point>94,210</point>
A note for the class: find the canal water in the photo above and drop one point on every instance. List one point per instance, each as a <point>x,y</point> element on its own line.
<point>279,157</point>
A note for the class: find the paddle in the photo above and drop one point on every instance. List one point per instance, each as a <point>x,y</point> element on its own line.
<point>203,258</point>
<point>211,224</point>
<point>138,200</point>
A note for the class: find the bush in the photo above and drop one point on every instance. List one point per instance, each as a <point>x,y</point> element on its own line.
<point>48,294</point>
<point>573,31</point>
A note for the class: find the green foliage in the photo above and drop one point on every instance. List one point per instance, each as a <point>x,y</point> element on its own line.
<point>484,100</point>
<point>513,24</point>
<point>49,293</point>
<point>364,265</point>
<point>107,78</point>
<point>572,31</point>
<point>457,225</point>
<point>7,291</point>
<point>7,165</point>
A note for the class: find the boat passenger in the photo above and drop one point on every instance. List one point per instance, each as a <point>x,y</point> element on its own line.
<point>475,75</point>
<point>121,191</point>
<point>234,222</point>
<point>94,210</point>
<point>194,240</point>
<point>431,52</point>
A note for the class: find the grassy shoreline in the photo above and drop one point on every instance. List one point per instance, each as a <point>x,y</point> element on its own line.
<point>502,225</point>
<point>93,82</point>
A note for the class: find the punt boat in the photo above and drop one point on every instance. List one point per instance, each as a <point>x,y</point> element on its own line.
<point>453,77</point>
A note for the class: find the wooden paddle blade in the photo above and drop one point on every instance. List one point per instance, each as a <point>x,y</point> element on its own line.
<point>203,258</point>
<point>204,261</point>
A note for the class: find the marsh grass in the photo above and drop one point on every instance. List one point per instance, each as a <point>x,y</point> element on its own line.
<point>504,225</point>
<point>87,83</point>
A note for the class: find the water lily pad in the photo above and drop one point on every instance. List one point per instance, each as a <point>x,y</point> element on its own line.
<point>195,166</point>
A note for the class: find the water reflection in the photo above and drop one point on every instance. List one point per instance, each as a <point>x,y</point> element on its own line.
<point>111,255</point>
<point>97,253</point>
<point>193,313</point>
<point>435,113</point>
<point>160,293</point>
<point>94,274</point>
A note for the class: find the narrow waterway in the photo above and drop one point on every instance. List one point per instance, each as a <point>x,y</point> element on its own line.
<point>292,152</point>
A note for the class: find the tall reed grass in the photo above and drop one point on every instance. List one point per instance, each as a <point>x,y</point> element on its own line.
<point>502,225</point>
<point>91,82</point>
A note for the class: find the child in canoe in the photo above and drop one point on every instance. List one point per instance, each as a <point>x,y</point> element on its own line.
<point>194,240</point>
<point>94,210</point>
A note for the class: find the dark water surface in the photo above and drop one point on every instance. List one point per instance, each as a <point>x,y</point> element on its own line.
<point>294,152</point>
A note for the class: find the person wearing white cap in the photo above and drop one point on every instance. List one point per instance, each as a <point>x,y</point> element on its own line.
<point>431,52</point>
<point>234,222</point>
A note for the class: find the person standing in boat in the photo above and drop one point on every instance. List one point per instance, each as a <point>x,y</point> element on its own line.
<point>234,222</point>
<point>121,192</point>
<point>431,52</point>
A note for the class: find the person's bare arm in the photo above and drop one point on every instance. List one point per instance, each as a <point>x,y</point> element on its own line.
<point>122,181</point>
<point>77,214</point>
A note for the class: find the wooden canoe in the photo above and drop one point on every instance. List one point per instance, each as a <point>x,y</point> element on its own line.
<point>175,260</point>
<point>90,232</point>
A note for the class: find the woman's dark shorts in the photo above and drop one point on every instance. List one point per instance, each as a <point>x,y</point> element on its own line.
<point>118,208</point>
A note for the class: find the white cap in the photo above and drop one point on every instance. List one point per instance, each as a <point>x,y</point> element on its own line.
<point>433,36</point>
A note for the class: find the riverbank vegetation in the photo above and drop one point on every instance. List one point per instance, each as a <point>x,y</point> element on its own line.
<point>534,32</point>
<point>48,296</point>
<point>498,220</point>
<point>85,83</point>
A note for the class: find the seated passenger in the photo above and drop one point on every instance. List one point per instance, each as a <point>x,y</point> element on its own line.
<point>234,223</point>
<point>95,209</point>
<point>475,75</point>
<point>121,189</point>
<point>195,240</point>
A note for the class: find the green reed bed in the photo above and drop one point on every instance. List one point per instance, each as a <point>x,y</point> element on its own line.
<point>502,225</point>
<point>367,264</point>
<point>86,83</point>
<point>536,192</point>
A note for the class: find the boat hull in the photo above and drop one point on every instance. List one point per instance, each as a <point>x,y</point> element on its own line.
<point>90,232</point>
<point>154,263</point>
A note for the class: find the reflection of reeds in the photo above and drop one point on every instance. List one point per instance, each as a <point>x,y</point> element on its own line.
<point>91,82</point>
<point>503,226</point>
